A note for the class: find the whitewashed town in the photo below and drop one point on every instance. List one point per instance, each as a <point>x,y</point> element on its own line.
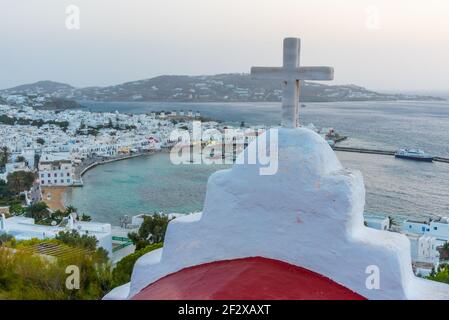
<point>252,151</point>
<point>58,146</point>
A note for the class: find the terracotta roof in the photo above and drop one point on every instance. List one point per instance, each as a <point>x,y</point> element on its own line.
<point>246,279</point>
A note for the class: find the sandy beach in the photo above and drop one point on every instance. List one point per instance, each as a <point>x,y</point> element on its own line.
<point>54,197</point>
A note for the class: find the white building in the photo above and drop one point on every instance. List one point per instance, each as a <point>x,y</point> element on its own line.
<point>13,167</point>
<point>424,253</point>
<point>378,223</point>
<point>424,249</point>
<point>56,170</point>
<point>29,156</point>
<point>23,228</point>
<point>438,228</point>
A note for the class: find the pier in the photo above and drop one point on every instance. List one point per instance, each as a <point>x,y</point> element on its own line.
<point>380,152</point>
<point>237,147</point>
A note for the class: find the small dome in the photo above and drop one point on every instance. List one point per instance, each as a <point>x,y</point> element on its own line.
<point>253,278</point>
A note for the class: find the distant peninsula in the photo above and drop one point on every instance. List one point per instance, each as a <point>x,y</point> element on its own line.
<point>212,88</point>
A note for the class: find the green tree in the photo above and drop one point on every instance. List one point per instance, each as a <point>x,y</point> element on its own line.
<point>89,243</point>
<point>20,181</point>
<point>4,155</point>
<point>392,222</point>
<point>20,159</point>
<point>37,158</point>
<point>4,190</point>
<point>151,231</point>
<point>442,274</point>
<point>85,217</point>
<point>444,251</point>
<point>57,216</point>
<point>70,209</point>
<point>74,239</point>
<point>16,209</point>
<point>38,211</point>
<point>4,237</point>
<point>123,270</point>
<point>40,141</point>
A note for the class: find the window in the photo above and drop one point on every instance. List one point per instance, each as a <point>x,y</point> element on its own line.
<point>68,174</point>
<point>48,182</point>
<point>410,226</point>
<point>56,181</point>
<point>42,182</point>
<point>62,175</point>
<point>42,175</point>
<point>62,181</point>
<point>435,228</point>
<point>49,175</point>
<point>56,175</point>
<point>423,229</point>
<point>68,180</point>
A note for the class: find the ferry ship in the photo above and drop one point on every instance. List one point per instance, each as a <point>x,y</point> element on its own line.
<point>413,154</point>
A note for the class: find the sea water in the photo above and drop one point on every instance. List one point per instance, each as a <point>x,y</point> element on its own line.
<point>400,188</point>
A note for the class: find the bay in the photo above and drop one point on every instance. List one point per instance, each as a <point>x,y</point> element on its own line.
<point>394,187</point>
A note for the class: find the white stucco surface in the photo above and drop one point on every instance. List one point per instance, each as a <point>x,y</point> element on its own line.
<point>309,214</point>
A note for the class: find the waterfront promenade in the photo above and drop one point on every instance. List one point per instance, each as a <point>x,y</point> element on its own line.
<point>91,163</point>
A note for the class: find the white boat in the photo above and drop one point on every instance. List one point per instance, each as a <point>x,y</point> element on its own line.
<point>413,154</point>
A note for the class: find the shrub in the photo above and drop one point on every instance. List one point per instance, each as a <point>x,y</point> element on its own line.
<point>20,181</point>
<point>74,239</point>
<point>151,231</point>
<point>28,276</point>
<point>16,209</point>
<point>442,275</point>
<point>4,238</point>
<point>122,272</point>
<point>38,211</point>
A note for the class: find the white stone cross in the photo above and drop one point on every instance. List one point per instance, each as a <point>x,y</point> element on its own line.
<point>291,74</point>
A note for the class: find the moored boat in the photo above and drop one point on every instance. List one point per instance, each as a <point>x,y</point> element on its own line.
<point>413,154</point>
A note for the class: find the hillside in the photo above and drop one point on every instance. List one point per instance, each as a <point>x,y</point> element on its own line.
<point>41,88</point>
<point>216,88</point>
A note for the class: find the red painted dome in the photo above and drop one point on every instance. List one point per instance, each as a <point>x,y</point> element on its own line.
<point>246,279</point>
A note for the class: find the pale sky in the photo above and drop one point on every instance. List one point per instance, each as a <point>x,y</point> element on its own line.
<point>380,44</point>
